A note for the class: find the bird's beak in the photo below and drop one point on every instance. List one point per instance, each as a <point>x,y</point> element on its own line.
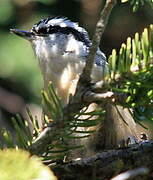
<point>24,34</point>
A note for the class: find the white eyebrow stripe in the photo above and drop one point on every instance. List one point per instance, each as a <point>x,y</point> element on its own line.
<point>63,23</point>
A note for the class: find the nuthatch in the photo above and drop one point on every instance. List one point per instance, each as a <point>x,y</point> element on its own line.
<point>62,47</point>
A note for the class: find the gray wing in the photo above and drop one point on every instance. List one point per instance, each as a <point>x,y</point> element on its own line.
<point>100,59</point>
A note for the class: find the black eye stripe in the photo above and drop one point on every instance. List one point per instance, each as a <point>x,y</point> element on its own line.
<point>65,30</point>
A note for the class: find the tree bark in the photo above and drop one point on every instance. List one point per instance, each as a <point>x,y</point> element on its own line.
<point>108,164</point>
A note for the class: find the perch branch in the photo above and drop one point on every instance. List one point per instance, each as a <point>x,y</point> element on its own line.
<point>104,97</point>
<point>106,165</point>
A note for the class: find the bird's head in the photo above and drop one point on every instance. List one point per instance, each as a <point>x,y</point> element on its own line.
<point>56,35</point>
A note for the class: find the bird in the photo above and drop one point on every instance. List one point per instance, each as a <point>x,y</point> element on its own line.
<point>62,47</point>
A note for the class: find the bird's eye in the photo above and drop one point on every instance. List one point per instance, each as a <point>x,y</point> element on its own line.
<point>39,30</point>
<point>54,29</point>
<point>42,30</point>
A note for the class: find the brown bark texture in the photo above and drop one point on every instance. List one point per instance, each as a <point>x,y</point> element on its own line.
<point>107,164</point>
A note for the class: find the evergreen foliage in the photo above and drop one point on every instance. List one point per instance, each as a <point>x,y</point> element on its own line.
<point>137,3</point>
<point>131,73</point>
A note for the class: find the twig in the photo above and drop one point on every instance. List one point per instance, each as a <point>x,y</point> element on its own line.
<point>100,27</point>
<point>91,97</point>
<point>45,137</point>
<point>85,78</point>
<point>102,97</point>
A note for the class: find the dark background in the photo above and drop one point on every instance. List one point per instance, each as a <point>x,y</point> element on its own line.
<point>20,78</point>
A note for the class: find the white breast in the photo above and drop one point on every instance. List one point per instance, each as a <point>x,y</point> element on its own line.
<point>61,60</point>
